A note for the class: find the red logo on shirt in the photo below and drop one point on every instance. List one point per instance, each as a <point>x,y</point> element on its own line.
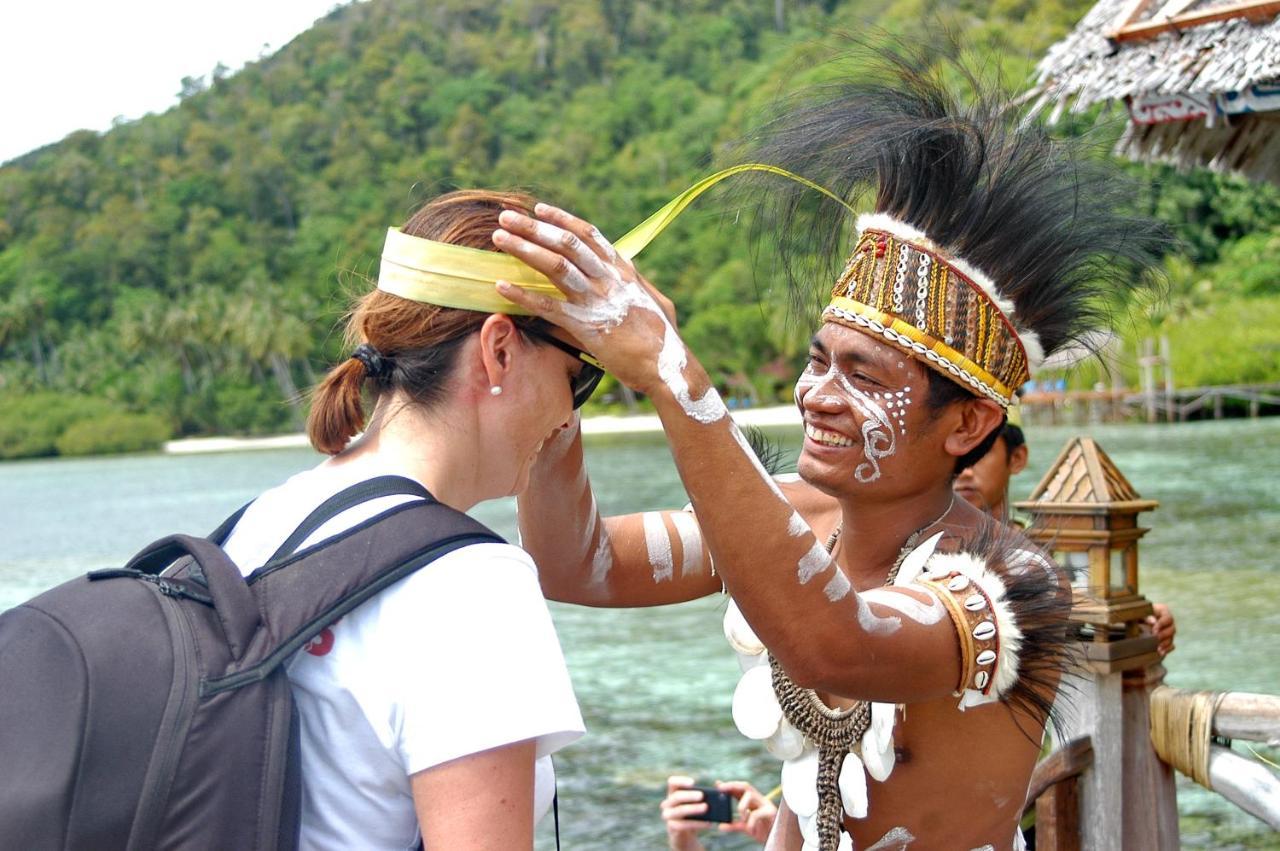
<point>322,643</point>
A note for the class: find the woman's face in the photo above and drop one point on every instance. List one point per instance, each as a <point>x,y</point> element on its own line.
<point>541,402</point>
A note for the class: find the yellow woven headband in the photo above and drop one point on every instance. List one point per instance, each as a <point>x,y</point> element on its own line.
<point>457,276</point>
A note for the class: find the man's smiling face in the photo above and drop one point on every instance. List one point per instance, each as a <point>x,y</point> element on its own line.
<point>864,410</point>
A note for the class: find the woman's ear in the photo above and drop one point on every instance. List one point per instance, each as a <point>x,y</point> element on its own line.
<point>975,419</point>
<point>499,341</point>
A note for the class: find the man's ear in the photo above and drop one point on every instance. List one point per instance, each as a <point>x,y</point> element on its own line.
<point>1018,460</point>
<point>974,420</point>
<point>499,339</point>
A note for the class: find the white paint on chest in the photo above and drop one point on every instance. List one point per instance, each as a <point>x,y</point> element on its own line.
<point>895,840</point>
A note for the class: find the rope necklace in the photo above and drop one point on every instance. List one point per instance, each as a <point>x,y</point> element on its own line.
<point>835,732</point>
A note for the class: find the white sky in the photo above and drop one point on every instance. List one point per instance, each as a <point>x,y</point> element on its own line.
<point>78,64</point>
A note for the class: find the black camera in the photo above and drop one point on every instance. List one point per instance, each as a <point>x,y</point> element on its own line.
<point>719,804</point>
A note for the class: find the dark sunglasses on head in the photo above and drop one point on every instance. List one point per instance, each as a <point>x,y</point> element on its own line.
<point>584,383</point>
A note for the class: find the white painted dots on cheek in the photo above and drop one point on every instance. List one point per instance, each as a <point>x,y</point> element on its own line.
<point>894,405</point>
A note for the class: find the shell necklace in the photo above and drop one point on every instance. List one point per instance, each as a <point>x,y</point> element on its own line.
<point>835,732</point>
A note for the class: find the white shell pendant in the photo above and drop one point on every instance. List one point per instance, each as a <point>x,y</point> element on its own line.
<point>877,742</point>
<point>853,787</point>
<point>809,831</point>
<point>914,564</point>
<point>786,742</point>
<point>746,663</point>
<point>800,783</point>
<point>739,633</point>
<point>756,712</point>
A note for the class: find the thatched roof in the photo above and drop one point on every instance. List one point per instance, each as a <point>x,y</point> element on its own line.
<point>1201,79</point>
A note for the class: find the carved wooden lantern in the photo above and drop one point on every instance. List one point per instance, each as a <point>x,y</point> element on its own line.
<point>1086,513</point>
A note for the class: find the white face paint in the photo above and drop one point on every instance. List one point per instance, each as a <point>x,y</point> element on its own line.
<point>879,438</point>
<point>907,605</point>
<point>658,541</point>
<point>895,840</point>
<point>690,542</point>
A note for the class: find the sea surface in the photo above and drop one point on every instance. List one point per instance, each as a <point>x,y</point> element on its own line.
<point>655,684</point>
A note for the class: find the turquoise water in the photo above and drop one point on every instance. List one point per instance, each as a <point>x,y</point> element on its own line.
<point>655,684</point>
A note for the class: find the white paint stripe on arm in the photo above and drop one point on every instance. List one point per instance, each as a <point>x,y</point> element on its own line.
<point>658,541</point>
<point>690,542</point>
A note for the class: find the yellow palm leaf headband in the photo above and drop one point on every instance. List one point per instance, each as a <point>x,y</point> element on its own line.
<point>457,276</point>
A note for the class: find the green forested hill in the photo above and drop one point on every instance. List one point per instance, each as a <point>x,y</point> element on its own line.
<point>190,266</point>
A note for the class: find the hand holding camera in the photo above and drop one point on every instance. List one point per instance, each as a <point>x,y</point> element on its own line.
<point>690,808</point>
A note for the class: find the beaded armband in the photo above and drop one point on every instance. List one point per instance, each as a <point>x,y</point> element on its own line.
<point>989,638</point>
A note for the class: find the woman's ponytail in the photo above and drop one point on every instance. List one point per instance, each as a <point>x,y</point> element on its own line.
<point>337,412</point>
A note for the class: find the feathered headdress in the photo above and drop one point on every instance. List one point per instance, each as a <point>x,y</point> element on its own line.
<point>991,245</point>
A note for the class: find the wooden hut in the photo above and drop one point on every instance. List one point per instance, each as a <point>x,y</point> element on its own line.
<point>1200,80</point>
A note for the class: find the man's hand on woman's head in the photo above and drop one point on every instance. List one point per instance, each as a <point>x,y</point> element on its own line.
<point>608,306</point>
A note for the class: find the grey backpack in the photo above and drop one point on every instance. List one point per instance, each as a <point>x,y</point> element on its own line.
<point>148,706</point>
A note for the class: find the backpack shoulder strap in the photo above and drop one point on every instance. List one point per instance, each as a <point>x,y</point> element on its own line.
<point>302,594</point>
<point>365,491</point>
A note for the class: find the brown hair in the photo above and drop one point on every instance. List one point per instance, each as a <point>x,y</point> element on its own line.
<point>418,342</point>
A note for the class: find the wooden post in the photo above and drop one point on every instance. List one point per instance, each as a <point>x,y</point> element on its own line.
<point>1151,803</point>
<point>1217,406</point>
<point>1093,708</point>
<point>1127,797</point>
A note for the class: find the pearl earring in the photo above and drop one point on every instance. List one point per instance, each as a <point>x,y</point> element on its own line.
<point>495,390</point>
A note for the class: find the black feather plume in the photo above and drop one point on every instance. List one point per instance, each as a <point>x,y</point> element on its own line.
<point>1045,220</point>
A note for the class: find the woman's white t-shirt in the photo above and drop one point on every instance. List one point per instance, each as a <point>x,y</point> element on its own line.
<point>457,658</point>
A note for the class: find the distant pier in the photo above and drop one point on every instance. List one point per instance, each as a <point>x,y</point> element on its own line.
<point>1153,405</point>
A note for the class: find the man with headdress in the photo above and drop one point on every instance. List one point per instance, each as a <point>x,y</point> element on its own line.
<point>911,641</point>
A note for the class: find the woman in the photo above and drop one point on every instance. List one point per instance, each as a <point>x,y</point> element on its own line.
<point>432,710</point>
